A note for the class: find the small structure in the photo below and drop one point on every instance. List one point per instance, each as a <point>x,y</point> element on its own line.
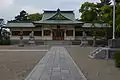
<point>84,41</point>
<point>106,52</point>
<point>31,39</point>
<point>21,39</point>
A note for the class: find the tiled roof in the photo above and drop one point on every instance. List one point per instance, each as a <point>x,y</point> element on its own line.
<point>19,24</point>
<point>68,17</point>
<point>96,25</point>
<point>57,22</point>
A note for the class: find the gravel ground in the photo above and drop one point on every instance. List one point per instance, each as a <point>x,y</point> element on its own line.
<point>94,69</point>
<point>17,65</point>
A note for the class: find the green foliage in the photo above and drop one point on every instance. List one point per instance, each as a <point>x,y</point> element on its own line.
<point>118,17</point>
<point>100,12</point>
<point>117,1</point>
<point>92,12</point>
<point>35,17</point>
<point>106,13</point>
<point>105,2</point>
<point>5,42</point>
<point>88,10</point>
<point>24,16</point>
<point>117,59</point>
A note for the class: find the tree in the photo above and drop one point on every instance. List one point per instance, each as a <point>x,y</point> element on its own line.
<point>35,17</point>
<point>90,13</point>
<point>88,10</point>
<point>117,1</point>
<point>105,2</point>
<point>106,14</point>
<point>118,19</point>
<point>22,16</point>
<point>2,22</point>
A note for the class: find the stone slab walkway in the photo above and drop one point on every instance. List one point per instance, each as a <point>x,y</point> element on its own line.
<point>57,64</point>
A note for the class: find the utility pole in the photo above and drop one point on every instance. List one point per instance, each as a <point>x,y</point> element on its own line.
<point>114,3</point>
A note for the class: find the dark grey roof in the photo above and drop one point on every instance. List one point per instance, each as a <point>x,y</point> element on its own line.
<point>68,15</point>
<point>99,25</point>
<point>58,22</point>
<point>19,24</point>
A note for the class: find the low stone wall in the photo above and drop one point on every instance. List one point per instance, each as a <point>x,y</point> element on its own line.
<point>62,42</point>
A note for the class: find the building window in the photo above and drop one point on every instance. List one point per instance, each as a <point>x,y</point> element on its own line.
<point>38,33</point>
<point>89,33</point>
<point>26,33</point>
<point>78,33</point>
<point>69,32</point>
<point>47,32</point>
<point>15,33</point>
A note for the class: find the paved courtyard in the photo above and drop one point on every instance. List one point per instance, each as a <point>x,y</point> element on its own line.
<point>17,63</point>
<point>93,69</point>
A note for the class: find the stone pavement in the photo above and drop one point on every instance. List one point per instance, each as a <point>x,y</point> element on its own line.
<point>57,64</point>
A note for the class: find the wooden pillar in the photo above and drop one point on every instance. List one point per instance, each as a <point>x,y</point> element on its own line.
<point>74,33</point>
<point>65,34</point>
<point>42,32</point>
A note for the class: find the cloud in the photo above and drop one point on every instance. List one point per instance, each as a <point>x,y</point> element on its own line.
<point>10,8</point>
<point>31,9</point>
<point>4,4</point>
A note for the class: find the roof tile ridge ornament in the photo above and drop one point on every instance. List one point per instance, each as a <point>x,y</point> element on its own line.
<point>58,10</point>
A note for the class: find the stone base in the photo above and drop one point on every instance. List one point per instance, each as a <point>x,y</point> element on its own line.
<point>84,43</point>
<point>104,53</point>
<point>21,45</point>
<point>114,43</point>
<point>31,42</point>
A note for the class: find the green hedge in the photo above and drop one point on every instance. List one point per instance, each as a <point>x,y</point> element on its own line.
<point>5,42</point>
<point>117,59</point>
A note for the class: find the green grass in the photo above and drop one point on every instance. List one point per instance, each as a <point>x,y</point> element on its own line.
<point>117,59</point>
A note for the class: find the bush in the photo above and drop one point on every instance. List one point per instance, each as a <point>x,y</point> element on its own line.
<point>0,42</point>
<point>5,42</point>
<point>117,59</point>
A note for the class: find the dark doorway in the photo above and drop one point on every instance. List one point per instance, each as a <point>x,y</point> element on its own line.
<point>58,34</point>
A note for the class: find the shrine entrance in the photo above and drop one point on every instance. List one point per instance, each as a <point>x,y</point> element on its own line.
<point>58,34</point>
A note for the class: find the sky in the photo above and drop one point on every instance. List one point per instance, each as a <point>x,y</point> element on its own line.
<point>10,8</point>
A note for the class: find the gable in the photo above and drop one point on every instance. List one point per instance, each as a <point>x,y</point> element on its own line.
<point>58,16</point>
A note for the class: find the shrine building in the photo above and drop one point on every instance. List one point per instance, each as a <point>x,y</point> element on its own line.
<point>54,25</point>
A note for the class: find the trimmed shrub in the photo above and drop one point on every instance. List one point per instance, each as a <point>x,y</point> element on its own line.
<point>117,59</point>
<point>5,42</point>
<point>0,42</point>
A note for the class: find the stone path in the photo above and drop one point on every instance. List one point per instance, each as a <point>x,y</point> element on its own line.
<point>57,64</point>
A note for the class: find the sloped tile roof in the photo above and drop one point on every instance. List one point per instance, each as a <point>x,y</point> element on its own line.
<point>19,24</point>
<point>96,25</point>
<point>68,15</point>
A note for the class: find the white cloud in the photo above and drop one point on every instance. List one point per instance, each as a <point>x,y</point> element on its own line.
<point>31,9</point>
<point>4,4</point>
<point>10,8</point>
